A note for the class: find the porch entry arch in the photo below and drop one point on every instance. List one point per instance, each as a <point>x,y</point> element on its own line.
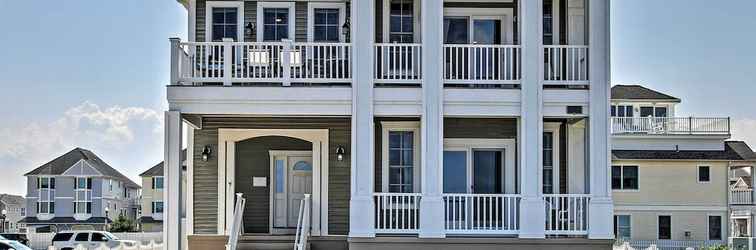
<point>227,139</point>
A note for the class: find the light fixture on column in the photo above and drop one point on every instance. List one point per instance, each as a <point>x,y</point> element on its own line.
<point>206,153</point>
<point>340,153</point>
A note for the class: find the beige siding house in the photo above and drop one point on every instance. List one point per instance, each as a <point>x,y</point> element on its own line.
<point>153,199</point>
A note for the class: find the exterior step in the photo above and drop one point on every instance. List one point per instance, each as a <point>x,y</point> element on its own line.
<point>266,242</point>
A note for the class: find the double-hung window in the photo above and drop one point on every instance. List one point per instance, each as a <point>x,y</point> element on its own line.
<point>326,25</point>
<point>704,174</point>
<point>401,21</point>
<point>625,177</point>
<point>400,157</point>
<point>225,23</point>
<point>622,226</point>
<point>46,189</point>
<point>157,183</point>
<point>83,195</point>
<point>157,207</point>
<point>275,24</point>
<point>622,111</point>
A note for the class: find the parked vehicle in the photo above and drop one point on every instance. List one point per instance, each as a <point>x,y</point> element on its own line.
<point>17,237</point>
<point>68,240</point>
<point>12,245</point>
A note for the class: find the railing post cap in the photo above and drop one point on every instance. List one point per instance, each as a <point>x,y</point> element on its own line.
<point>226,39</point>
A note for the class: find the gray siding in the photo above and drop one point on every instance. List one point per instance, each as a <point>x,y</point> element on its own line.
<point>206,173</point>
<point>300,24</point>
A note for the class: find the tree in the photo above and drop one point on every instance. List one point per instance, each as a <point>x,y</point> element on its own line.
<point>122,224</point>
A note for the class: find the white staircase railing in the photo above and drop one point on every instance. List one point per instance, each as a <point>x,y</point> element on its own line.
<point>235,227</point>
<point>303,224</point>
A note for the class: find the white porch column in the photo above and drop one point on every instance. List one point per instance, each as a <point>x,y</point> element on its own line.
<point>172,173</point>
<point>361,223</point>
<point>601,207</point>
<point>532,208</point>
<point>432,121</point>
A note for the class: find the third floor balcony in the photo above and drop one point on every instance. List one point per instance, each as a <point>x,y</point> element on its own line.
<point>670,126</point>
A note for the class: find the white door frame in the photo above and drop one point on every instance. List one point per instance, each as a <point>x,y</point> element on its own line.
<point>227,139</point>
<point>468,145</point>
<point>286,154</point>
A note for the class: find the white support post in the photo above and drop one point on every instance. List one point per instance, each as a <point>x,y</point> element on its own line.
<point>432,121</point>
<point>601,207</point>
<point>175,60</point>
<point>172,172</point>
<point>228,47</point>
<point>288,45</point>
<point>361,222</point>
<point>532,208</point>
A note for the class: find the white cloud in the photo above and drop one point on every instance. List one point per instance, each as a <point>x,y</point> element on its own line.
<point>745,130</point>
<point>129,136</point>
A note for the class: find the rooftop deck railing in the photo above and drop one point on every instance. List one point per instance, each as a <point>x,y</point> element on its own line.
<point>670,125</point>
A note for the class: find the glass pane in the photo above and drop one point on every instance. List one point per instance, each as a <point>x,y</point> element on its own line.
<point>548,181</point>
<point>616,177</point>
<point>231,16</point>
<point>660,112</point>
<point>614,111</point>
<point>630,177</point>
<point>486,31</point>
<point>218,32</point>
<point>407,176</point>
<point>395,157</point>
<point>665,227</point>
<point>395,139</point>
<point>282,16</point>
<point>282,32</point>
<point>646,111</point>
<point>332,34</point>
<point>218,15</point>
<point>621,112</point>
<point>230,32</point>
<point>487,172</point>
<point>407,157</point>
<point>407,138</point>
<point>302,166</point>
<point>715,227</point>
<point>279,176</point>
<point>407,24</point>
<point>703,173</point>
<point>455,172</point>
<point>269,33</point>
<point>269,16</point>
<point>395,175</point>
<point>629,111</point>
<point>455,30</point>
<point>82,237</point>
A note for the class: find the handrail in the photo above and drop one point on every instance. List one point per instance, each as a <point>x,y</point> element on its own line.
<point>303,224</point>
<point>234,229</point>
<point>671,125</point>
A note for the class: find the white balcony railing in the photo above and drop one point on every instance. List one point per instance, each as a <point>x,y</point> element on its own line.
<point>397,212</point>
<point>565,64</point>
<point>249,62</point>
<point>566,214</point>
<point>741,196</point>
<point>482,213</point>
<point>481,64</point>
<point>399,63</point>
<point>670,125</point>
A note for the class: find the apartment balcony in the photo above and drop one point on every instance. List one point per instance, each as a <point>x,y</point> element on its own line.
<point>670,126</point>
<point>741,196</point>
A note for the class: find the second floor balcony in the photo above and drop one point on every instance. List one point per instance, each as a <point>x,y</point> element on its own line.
<point>670,126</point>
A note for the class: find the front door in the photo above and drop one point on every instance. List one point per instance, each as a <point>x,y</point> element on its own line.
<point>292,179</point>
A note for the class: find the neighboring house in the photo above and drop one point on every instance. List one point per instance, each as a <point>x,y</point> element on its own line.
<point>742,197</point>
<point>153,204</point>
<point>454,123</point>
<point>77,190</point>
<point>669,174</point>
<point>15,208</point>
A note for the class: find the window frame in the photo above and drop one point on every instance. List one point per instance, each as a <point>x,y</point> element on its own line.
<point>87,192</point>
<point>47,200</point>
<point>470,145</point>
<point>698,173</point>
<point>658,226</point>
<point>155,181</point>
<point>708,226</point>
<point>154,207</point>
<point>239,5</point>
<point>629,226</point>
<point>261,6</point>
<point>553,128</point>
<point>622,178</point>
<point>386,21</point>
<point>311,18</point>
<point>405,126</point>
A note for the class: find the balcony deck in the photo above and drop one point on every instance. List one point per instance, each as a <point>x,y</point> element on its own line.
<point>670,126</point>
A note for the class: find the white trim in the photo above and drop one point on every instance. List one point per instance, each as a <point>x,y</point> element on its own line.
<point>669,208</point>
<point>553,128</point>
<point>386,128</point>
<point>81,163</point>
<point>468,145</point>
<point>260,18</point>
<point>224,4</point>
<point>189,179</point>
<point>311,20</point>
<point>274,155</point>
<point>386,20</point>
<point>698,173</point>
<point>226,171</point>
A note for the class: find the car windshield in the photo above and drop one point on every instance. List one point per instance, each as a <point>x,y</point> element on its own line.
<point>18,246</point>
<point>110,235</point>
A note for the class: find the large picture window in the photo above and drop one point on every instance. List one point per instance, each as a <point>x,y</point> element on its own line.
<point>625,177</point>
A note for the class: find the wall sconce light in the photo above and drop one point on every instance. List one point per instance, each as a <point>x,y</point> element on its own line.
<point>206,152</point>
<point>345,29</point>
<point>340,153</point>
<point>249,28</point>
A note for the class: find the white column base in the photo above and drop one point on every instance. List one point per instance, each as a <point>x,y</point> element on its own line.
<point>361,217</point>
<point>532,218</point>
<point>600,216</point>
<point>432,217</point>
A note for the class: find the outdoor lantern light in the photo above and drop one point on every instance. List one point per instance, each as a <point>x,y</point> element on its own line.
<point>340,153</point>
<point>249,28</point>
<point>206,153</point>
<point>345,28</point>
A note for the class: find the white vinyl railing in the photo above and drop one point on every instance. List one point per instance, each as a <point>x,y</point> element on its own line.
<point>481,213</point>
<point>397,212</point>
<point>303,224</point>
<point>565,64</point>
<point>249,62</point>
<point>398,63</point>
<point>234,230</point>
<point>741,196</point>
<point>481,64</point>
<point>566,214</point>
<point>668,244</point>
<point>671,125</point>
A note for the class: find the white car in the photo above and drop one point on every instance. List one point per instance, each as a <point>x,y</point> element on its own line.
<point>12,245</point>
<point>68,240</point>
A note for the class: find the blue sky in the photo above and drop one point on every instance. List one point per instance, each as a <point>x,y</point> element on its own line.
<point>92,73</point>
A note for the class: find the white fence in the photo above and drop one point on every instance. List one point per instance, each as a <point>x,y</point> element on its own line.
<point>667,244</point>
<point>41,241</point>
<point>741,196</point>
<point>742,243</point>
<point>670,125</point>
<point>482,64</point>
<point>481,213</point>
<point>565,64</point>
<point>398,63</point>
<point>566,214</point>
<point>397,212</point>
